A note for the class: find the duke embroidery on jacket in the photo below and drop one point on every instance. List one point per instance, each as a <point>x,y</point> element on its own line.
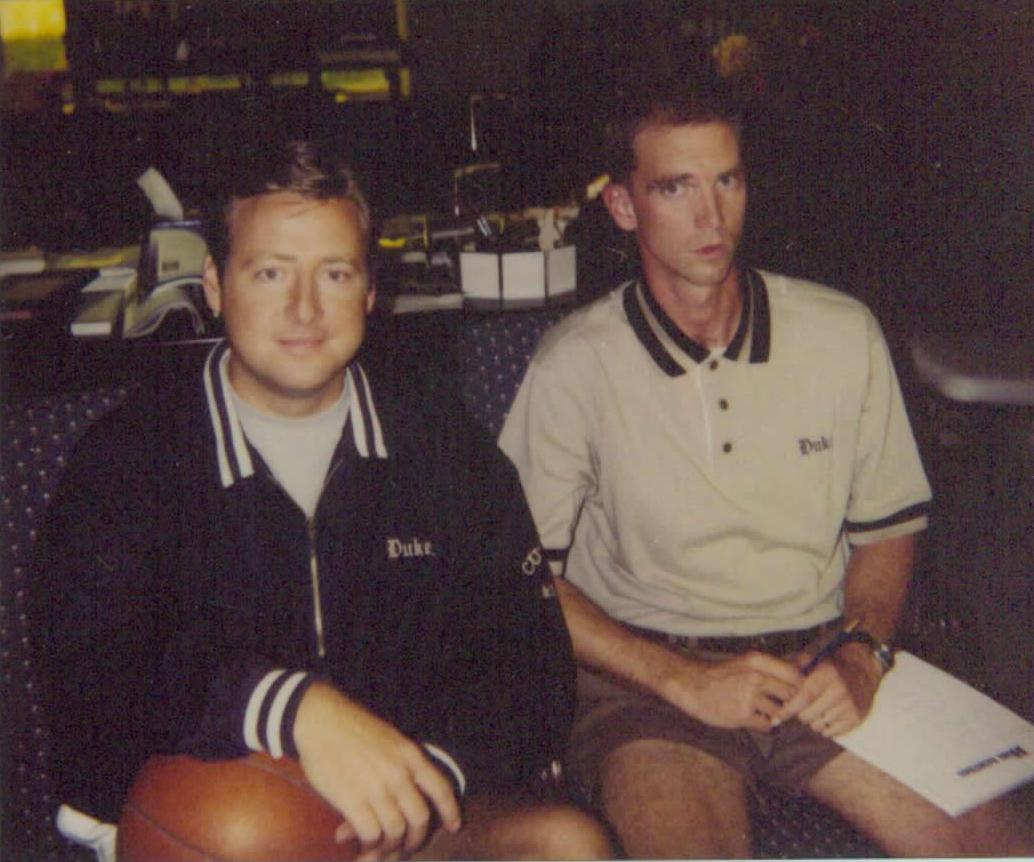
<point>414,547</point>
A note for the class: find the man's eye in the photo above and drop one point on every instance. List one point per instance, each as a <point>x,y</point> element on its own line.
<point>730,181</point>
<point>672,188</point>
<point>269,274</point>
<point>342,275</point>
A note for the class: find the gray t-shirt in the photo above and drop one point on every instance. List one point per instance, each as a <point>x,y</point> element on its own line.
<point>298,451</point>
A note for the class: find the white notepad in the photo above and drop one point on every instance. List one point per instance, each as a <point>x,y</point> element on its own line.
<point>953,745</point>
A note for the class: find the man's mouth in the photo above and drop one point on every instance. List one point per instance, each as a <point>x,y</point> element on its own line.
<point>715,250</point>
<point>300,343</point>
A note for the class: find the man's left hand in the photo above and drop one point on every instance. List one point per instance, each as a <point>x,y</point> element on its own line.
<point>837,694</point>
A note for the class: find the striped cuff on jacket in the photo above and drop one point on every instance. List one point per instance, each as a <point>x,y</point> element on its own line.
<point>270,713</point>
<point>449,766</point>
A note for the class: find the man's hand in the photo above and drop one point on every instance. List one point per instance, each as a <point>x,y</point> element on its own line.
<point>837,695</point>
<point>741,692</point>
<point>378,779</point>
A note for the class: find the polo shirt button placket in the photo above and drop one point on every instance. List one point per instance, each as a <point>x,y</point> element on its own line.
<point>723,404</point>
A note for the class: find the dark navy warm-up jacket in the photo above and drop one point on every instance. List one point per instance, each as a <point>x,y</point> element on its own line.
<point>185,602</point>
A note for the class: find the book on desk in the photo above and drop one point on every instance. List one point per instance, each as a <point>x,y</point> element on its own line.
<point>134,302</point>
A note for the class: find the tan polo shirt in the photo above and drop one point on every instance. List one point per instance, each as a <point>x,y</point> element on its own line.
<point>716,492</point>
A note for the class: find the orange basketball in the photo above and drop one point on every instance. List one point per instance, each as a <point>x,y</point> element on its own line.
<point>181,809</point>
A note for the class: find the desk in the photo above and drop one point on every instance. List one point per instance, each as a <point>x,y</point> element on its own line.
<point>39,356</point>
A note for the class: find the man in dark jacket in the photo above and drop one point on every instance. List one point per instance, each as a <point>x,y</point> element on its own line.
<point>266,552</point>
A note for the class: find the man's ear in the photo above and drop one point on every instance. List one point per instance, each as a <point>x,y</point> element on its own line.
<point>210,283</point>
<point>619,205</point>
<point>371,290</point>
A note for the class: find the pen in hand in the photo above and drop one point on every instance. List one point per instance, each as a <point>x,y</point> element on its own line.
<point>830,648</point>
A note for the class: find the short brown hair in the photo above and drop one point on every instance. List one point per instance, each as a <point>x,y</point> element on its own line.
<point>667,101</point>
<point>304,168</point>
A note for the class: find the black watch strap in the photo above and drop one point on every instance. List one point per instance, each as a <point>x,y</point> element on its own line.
<point>881,652</point>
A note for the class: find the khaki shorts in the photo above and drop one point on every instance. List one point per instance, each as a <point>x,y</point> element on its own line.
<point>610,714</point>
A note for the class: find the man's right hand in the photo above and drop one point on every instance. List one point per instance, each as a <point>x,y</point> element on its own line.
<point>380,781</point>
<point>744,691</point>
<point>740,692</point>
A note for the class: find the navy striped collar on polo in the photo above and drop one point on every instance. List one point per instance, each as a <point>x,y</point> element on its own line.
<point>644,313</point>
<point>232,449</point>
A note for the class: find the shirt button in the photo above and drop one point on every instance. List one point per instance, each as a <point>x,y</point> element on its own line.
<point>727,447</point>
<point>723,404</point>
<point>713,364</point>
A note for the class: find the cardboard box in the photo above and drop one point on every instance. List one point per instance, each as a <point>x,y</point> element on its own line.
<point>518,278</point>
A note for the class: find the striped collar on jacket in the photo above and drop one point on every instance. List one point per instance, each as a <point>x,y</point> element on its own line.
<point>233,453</point>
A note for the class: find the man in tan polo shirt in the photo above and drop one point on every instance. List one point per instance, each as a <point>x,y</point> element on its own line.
<point>722,471</point>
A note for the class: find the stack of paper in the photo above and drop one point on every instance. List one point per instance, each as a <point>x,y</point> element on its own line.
<point>113,279</point>
<point>103,301</point>
<point>23,262</point>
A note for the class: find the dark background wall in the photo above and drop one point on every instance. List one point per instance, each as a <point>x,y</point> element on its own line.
<point>895,151</point>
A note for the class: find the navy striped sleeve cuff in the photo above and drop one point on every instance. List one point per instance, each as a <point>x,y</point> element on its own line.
<point>903,516</point>
<point>271,710</point>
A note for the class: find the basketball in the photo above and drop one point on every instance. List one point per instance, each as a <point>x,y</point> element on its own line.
<point>180,809</point>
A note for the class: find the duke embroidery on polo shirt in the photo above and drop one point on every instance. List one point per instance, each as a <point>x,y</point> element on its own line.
<point>808,446</point>
<point>414,547</point>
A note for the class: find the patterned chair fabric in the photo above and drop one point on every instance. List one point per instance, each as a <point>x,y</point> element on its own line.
<point>494,349</point>
<point>39,435</point>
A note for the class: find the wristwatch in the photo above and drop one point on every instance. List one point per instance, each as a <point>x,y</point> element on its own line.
<point>881,652</point>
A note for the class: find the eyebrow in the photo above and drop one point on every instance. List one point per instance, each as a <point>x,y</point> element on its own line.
<point>266,256</point>
<point>280,257</point>
<point>668,179</point>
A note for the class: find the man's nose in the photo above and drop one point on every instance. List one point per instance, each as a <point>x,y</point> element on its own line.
<point>305,300</point>
<point>707,210</point>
